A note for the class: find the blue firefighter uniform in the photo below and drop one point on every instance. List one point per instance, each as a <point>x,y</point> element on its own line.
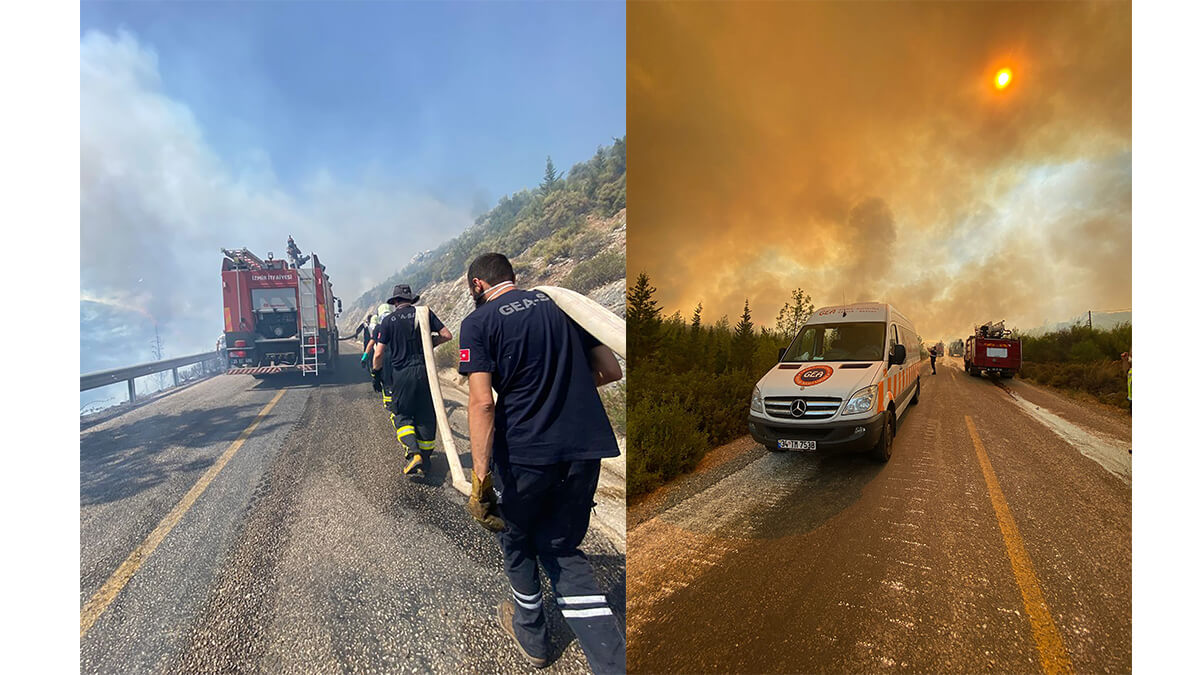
<point>551,432</point>
<point>406,385</point>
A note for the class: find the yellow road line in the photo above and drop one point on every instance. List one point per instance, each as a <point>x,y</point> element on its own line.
<point>1045,633</point>
<point>103,597</point>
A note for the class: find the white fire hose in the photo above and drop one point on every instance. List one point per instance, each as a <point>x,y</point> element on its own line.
<point>591,316</point>
<point>459,479</point>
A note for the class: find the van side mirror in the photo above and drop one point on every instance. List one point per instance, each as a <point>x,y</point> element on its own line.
<point>782,351</point>
<point>898,356</point>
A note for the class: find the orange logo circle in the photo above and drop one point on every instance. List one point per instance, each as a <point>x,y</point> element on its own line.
<point>813,375</point>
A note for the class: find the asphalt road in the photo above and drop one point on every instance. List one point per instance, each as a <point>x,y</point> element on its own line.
<point>788,562</point>
<point>307,551</point>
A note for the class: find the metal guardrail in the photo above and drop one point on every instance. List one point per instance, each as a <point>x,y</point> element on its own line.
<point>129,373</point>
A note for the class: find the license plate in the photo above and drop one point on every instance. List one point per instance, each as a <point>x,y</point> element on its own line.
<point>797,445</point>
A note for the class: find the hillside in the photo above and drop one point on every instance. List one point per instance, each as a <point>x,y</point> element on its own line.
<point>569,231</point>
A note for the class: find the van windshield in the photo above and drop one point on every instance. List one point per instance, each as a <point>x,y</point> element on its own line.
<point>837,342</point>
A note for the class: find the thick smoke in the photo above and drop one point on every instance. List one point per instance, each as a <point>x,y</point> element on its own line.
<point>860,151</point>
<point>157,204</point>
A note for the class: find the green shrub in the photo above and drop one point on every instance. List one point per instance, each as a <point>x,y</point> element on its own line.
<point>664,441</point>
<point>1102,379</point>
<point>557,247</point>
<point>1079,359</point>
<point>595,272</point>
<point>1086,351</point>
<point>445,355</point>
<point>587,244</point>
<point>1078,343</point>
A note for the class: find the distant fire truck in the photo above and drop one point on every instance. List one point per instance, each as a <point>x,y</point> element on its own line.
<point>279,317</point>
<point>992,350</point>
<point>956,348</point>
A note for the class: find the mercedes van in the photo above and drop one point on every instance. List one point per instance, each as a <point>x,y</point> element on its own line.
<point>841,384</point>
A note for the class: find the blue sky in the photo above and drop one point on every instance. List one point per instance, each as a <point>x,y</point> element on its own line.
<point>458,97</point>
<point>370,131</point>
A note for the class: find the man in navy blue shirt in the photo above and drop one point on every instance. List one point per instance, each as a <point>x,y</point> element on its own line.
<point>536,455</point>
<point>411,403</point>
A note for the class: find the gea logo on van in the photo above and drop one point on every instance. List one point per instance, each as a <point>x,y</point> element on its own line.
<point>813,375</point>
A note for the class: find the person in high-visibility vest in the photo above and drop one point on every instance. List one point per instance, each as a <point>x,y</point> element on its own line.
<point>1127,363</point>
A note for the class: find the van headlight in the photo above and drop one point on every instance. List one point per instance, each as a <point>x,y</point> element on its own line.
<point>861,401</point>
<point>756,402</point>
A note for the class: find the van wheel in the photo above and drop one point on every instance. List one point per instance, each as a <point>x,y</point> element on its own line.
<point>916,394</point>
<point>882,451</point>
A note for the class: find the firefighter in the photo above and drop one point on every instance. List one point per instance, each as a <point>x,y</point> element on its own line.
<point>407,390</point>
<point>536,455</point>
<point>365,327</point>
<point>383,384</point>
<point>933,359</point>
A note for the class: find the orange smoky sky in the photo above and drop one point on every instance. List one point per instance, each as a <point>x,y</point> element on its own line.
<point>863,151</point>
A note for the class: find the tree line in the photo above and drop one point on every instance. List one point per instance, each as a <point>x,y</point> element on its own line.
<point>690,382</point>
<point>1079,358</point>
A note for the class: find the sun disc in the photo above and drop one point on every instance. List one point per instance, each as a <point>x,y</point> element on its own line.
<point>1003,78</point>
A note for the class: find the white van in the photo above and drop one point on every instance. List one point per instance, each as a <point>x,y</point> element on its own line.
<point>841,384</point>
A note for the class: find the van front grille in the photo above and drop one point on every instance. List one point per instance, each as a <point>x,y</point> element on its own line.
<point>815,407</point>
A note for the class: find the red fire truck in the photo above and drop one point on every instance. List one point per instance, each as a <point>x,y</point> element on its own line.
<point>279,317</point>
<point>992,350</point>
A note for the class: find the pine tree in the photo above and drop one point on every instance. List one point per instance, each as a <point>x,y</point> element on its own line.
<point>742,354</point>
<point>551,177</point>
<point>696,316</point>
<point>643,320</point>
<point>641,307</point>
<point>745,328</point>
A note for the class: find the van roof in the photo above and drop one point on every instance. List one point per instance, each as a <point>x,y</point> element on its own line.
<point>858,311</point>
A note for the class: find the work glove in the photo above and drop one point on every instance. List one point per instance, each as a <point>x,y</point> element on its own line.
<point>363,361</point>
<point>377,379</point>
<point>482,504</point>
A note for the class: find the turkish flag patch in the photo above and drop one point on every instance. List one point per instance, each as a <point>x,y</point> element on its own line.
<point>464,355</point>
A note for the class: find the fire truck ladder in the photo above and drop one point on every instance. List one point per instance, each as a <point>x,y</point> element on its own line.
<point>309,330</point>
<point>244,258</point>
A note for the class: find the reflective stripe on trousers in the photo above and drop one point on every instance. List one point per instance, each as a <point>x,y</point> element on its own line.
<point>547,509</point>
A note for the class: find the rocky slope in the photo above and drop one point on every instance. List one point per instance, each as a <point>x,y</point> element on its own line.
<point>569,233</point>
